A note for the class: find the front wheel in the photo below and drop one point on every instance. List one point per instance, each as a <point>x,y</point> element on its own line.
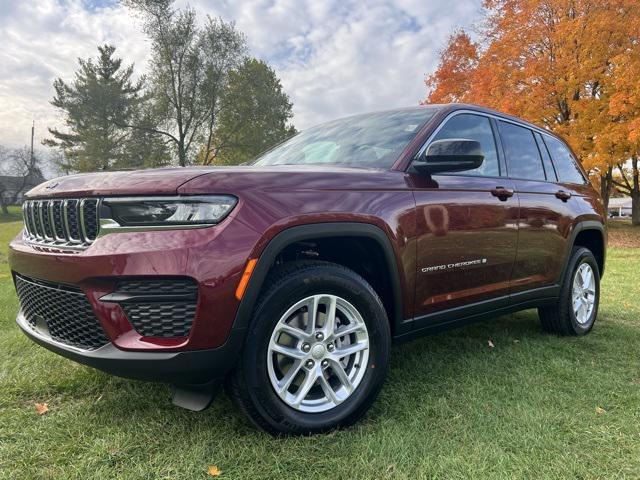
<point>316,354</point>
<point>577,308</point>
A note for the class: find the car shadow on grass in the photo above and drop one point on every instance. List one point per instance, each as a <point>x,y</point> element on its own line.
<point>446,364</point>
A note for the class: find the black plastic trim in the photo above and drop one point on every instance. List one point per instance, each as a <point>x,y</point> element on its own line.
<point>581,227</point>
<point>466,314</point>
<point>182,368</point>
<point>318,230</point>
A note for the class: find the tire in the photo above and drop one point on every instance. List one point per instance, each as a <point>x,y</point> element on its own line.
<point>358,307</point>
<point>562,318</point>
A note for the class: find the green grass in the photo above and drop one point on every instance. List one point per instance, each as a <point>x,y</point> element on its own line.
<point>452,408</point>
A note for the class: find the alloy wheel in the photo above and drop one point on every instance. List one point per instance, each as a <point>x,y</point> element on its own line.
<point>318,353</point>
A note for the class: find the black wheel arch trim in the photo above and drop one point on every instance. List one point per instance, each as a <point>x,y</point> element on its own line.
<point>318,230</point>
<point>578,228</point>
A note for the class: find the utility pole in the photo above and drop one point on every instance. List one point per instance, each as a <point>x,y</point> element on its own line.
<point>33,128</point>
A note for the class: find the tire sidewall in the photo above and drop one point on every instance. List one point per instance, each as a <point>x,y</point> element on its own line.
<point>580,256</point>
<point>318,280</point>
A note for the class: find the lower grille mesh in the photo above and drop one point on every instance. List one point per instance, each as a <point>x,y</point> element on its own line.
<point>165,308</point>
<point>63,310</point>
<point>171,319</point>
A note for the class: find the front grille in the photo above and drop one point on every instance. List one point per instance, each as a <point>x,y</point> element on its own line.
<point>62,310</point>
<point>159,307</point>
<point>70,223</point>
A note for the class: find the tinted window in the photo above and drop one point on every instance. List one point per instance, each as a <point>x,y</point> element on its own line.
<point>546,159</point>
<point>474,127</point>
<point>372,140</point>
<point>523,157</point>
<point>566,165</point>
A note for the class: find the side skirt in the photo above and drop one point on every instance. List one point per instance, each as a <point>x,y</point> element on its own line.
<point>460,316</point>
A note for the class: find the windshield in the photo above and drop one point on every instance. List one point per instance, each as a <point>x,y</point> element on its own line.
<point>372,140</point>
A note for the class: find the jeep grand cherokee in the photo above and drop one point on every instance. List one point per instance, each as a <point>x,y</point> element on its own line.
<point>288,279</point>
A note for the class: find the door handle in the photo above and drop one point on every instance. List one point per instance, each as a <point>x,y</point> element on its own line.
<point>502,193</point>
<point>562,195</point>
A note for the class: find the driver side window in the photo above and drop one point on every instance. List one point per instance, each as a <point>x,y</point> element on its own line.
<point>478,128</point>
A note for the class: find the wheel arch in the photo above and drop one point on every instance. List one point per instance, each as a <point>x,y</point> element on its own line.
<point>301,233</point>
<point>590,234</point>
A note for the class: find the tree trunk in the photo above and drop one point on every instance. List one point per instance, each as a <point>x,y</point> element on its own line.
<point>3,206</point>
<point>635,193</point>
<point>182,154</point>
<point>606,183</point>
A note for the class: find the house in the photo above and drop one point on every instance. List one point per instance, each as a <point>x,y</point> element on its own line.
<point>620,207</point>
<point>12,189</point>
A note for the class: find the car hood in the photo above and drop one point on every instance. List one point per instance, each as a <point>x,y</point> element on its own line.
<point>287,178</point>
<point>207,180</point>
<point>161,181</point>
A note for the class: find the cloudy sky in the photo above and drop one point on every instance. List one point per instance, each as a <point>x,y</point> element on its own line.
<point>334,57</point>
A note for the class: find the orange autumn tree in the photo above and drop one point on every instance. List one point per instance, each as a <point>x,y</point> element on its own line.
<point>624,108</point>
<point>551,62</point>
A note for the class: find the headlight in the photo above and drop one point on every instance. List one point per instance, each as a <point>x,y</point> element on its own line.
<point>158,211</point>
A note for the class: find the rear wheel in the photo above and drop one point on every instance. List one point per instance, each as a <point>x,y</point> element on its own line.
<point>316,353</point>
<point>577,308</point>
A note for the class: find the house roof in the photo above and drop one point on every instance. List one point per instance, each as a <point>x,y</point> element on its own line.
<point>14,183</point>
<point>624,202</point>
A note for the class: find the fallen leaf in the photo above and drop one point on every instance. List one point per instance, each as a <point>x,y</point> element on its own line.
<point>491,345</point>
<point>214,471</point>
<point>600,410</point>
<point>42,408</point>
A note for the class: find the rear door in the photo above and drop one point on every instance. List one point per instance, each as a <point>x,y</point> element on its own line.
<point>546,214</point>
<point>466,227</point>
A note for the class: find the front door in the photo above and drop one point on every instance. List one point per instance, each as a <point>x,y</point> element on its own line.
<point>466,227</point>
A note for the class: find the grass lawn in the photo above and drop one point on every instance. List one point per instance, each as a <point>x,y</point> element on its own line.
<point>535,406</point>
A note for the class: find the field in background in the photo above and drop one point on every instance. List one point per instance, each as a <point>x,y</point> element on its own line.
<point>534,406</point>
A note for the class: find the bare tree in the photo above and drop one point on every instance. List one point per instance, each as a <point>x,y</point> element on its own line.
<point>20,170</point>
<point>188,71</point>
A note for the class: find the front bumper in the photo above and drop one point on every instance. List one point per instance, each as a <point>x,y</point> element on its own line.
<point>181,368</point>
<point>213,258</point>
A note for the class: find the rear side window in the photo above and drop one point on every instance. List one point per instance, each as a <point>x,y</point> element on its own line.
<point>478,128</point>
<point>521,150</point>
<point>565,163</point>
<point>546,159</point>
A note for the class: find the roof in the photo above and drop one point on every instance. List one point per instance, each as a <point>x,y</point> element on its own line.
<point>624,202</point>
<point>11,182</point>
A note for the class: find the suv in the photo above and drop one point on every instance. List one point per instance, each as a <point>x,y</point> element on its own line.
<point>288,279</point>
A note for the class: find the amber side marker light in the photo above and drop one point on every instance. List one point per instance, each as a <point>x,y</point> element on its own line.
<point>244,281</point>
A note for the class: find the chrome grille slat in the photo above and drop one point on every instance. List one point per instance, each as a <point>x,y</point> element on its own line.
<point>25,216</point>
<point>70,224</point>
<point>32,218</point>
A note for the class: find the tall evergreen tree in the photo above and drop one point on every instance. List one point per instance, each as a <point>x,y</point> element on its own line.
<point>97,105</point>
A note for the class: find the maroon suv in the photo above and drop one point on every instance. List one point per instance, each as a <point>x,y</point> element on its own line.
<point>290,277</point>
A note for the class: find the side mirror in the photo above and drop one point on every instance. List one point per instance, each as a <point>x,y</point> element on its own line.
<point>450,155</point>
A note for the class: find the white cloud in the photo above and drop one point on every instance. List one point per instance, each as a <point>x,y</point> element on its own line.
<point>334,57</point>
